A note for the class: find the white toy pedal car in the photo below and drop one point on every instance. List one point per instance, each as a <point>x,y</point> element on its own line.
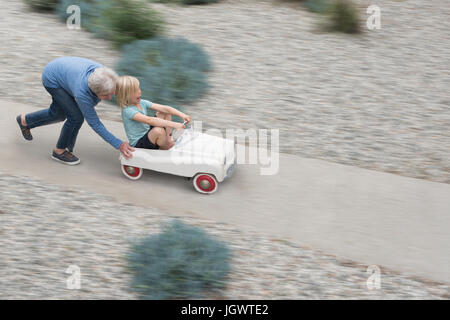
<point>205,158</point>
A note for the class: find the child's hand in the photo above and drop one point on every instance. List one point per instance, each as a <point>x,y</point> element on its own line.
<point>179,126</point>
<point>186,118</point>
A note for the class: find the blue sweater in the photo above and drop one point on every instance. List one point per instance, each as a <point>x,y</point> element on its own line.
<point>71,74</point>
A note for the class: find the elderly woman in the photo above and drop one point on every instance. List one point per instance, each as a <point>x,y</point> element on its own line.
<point>76,85</point>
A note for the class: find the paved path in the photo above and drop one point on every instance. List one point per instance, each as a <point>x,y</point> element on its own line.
<point>368,216</point>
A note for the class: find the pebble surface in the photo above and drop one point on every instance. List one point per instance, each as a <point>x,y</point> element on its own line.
<point>379,100</point>
<point>46,228</point>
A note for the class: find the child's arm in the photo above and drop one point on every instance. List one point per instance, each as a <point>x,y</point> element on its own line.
<point>157,122</point>
<point>170,110</point>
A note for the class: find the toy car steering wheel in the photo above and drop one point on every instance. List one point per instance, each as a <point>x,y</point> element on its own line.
<point>178,132</point>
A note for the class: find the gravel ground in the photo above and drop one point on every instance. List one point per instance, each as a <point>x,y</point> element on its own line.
<point>46,228</point>
<point>378,101</point>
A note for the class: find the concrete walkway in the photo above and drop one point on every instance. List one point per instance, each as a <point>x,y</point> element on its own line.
<point>368,216</point>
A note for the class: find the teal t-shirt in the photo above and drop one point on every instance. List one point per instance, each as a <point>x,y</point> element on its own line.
<point>135,129</point>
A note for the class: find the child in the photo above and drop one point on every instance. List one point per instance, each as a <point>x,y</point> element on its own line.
<point>144,131</point>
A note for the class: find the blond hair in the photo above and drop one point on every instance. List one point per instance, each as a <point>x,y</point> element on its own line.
<point>125,87</point>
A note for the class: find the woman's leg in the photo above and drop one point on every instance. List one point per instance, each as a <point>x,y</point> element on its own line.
<point>44,117</point>
<point>75,119</point>
<point>76,128</point>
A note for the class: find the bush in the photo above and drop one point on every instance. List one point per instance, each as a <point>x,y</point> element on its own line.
<point>92,13</point>
<point>170,71</point>
<point>132,20</point>
<point>343,17</point>
<point>120,21</point>
<point>186,1</point>
<point>42,5</point>
<point>198,1</point>
<point>319,6</point>
<point>181,262</point>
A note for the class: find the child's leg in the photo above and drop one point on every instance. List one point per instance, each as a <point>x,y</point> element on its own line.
<point>167,117</point>
<point>158,136</point>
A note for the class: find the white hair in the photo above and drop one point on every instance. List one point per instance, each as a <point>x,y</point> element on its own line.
<point>103,81</point>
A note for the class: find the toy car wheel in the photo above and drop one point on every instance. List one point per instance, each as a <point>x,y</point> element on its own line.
<point>205,183</point>
<point>132,173</point>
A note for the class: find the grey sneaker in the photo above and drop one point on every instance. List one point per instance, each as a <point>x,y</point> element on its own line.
<point>66,157</point>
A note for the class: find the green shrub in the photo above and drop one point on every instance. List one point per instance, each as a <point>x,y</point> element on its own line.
<point>42,5</point>
<point>343,17</point>
<point>166,1</point>
<point>121,21</point>
<point>319,6</point>
<point>92,15</point>
<point>186,1</point>
<point>170,71</point>
<point>198,1</point>
<point>132,20</point>
<point>181,262</point>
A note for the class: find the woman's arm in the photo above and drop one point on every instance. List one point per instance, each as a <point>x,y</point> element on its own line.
<point>157,122</point>
<point>89,113</point>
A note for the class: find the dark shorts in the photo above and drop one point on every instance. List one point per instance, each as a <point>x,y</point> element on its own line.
<point>145,142</point>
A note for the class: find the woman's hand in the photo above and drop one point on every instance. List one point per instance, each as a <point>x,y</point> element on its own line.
<point>126,150</point>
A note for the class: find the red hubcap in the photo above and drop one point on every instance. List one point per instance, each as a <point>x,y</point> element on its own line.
<point>212,184</point>
<point>132,171</point>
